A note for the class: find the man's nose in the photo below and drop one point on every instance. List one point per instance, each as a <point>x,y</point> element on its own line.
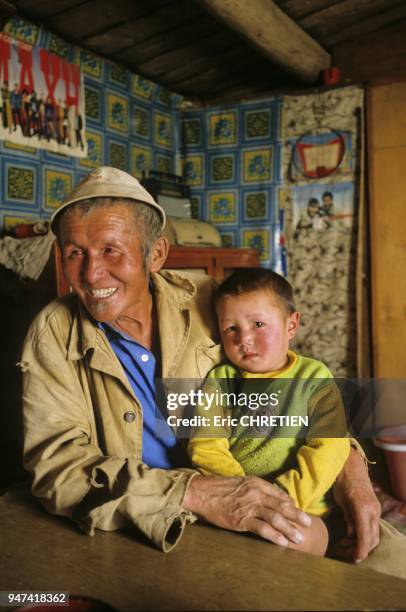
<point>92,269</point>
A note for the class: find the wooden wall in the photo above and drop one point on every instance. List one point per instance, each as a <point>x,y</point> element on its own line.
<point>387,182</point>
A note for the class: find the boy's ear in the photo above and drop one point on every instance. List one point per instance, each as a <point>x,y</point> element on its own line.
<point>293,324</point>
<point>159,253</point>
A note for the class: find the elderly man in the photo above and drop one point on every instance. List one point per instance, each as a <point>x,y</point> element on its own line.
<point>90,362</point>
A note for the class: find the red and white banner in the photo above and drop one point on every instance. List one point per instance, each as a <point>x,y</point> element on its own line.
<point>41,98</point>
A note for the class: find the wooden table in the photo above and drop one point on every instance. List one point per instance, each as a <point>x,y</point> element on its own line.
<point>210,569</point>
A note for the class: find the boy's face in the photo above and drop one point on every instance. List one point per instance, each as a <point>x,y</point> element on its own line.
<point>256,329</point>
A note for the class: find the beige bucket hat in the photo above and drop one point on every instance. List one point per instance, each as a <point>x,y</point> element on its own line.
<point>111,183</point>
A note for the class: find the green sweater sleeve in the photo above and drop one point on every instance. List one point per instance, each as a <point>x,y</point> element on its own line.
<point>322,457</point>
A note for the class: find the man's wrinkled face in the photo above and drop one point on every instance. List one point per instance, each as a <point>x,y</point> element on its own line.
<point>102,261</point>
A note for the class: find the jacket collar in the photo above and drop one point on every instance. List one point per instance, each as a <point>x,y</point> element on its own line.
<point>83,335</point>
<point>178,289</point>
<point>172,293</point>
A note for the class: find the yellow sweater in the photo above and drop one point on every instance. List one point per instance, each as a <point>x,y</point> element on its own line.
<point>303,461</point>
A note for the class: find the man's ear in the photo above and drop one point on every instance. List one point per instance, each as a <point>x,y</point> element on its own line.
<point>293,324</point>
<point>159,252</point>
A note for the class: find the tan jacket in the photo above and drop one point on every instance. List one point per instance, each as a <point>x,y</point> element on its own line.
<point>85,458</point>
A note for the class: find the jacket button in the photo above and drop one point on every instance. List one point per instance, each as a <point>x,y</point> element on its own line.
<point>129,416</point>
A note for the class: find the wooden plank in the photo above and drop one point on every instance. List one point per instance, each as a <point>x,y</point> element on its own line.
<point>246,86</point>
<point>215,261</point>
<point>41,9</point>
<point>297,9</point>
<point>389,128</point>
<point>192,30</point>
<point>231,93</point>
<point>178,60</point>
<point>96,16</point>
<point>374,57</point>
<point>239,69</point>
<point>387,154</point>
<point>139,30</point>
<point>274,34</point>
<point>212,86</point>
<point>233,90</point>
<point>322,24</point>
<point>203,82</point>
<point>365,26</point>
<point>346,11</point>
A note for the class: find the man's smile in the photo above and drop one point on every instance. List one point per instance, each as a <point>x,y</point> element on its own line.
<point>102,292</point>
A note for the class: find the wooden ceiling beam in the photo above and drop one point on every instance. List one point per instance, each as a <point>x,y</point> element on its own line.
<point>274,34</point>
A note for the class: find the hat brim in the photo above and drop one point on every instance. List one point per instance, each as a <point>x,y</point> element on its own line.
<point>100,191</point>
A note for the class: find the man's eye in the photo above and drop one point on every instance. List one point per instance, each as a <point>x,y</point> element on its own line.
<point>259,324</point>
<point>110,251</point>
<point>231,329</point>
<point>74,254</point>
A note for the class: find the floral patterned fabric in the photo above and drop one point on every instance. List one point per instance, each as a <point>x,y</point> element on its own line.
<point>319,266</point>
<point>319,209</point>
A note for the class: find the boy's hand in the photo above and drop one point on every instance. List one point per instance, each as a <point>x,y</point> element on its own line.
<point>246,504</point>
<point>354,494</point>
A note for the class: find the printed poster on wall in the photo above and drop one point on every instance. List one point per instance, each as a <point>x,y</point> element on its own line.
<point>323,207</point>
<point>41,99</point>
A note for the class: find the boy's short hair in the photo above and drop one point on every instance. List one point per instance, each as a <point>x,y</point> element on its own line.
<point>253,279</point>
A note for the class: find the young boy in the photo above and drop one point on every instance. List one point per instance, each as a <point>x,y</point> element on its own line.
<point>257,320</point>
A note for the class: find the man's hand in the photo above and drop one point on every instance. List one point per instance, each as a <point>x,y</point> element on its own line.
<point>354,494</point>
<point>246,504</point>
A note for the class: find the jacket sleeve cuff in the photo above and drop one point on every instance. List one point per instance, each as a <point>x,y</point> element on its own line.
<point>168,527</point>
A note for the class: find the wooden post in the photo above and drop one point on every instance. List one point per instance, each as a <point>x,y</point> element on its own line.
<point>274,34</point>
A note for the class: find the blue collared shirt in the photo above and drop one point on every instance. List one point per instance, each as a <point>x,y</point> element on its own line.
<point>159,444</point>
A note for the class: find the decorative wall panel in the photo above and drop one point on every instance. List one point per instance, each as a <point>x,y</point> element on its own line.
<point>130,124</point>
